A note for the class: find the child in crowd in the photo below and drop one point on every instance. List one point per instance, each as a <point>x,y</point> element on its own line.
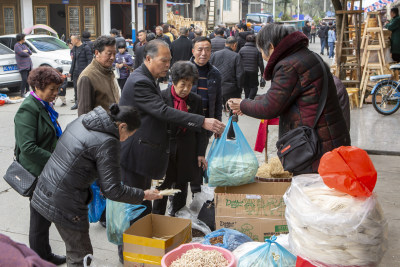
<point>123,62</point>
<point>62,90</point>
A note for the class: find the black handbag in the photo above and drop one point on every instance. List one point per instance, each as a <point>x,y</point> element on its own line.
<point>300,147</point>
<point>20,179</point>
<point>207,214</point>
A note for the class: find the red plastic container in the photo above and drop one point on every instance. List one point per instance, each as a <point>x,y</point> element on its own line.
<point>176,253</point>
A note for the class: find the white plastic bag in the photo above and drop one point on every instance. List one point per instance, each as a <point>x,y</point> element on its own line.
<point>328,227</point>
<point>94,262</point>
<point>196,223</point>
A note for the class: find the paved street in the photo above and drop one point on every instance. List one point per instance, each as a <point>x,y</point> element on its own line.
<point>369,130</point>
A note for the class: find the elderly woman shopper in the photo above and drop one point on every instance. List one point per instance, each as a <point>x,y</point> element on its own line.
<point>296,84</point>
<point>88,150</point>
<point>187,147</point>
<point>252,62</point>
<point>36,134</point>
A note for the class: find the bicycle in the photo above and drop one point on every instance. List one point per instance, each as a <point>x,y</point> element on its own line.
<point>386,93</point>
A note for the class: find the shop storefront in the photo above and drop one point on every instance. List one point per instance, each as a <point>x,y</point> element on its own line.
<point>10,17</point>
<point>68,19</point>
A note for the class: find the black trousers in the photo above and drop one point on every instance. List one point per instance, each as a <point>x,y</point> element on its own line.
<point>24,82</point>
<point>77,245</point>
<point>39,234</point>
<point>138,181</point>
<point>121,83</point>
<point>396,57</point>
<point>250,92</point>
<point>75,78</point>
<point>178,201</point>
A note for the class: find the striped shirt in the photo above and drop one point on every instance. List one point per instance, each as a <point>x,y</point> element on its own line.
<point>202,87</point>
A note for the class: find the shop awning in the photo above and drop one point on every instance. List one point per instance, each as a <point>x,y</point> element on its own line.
<point>176,4</point>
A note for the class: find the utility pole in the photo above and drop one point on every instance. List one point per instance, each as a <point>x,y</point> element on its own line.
<point>273,9</point>
<point>324,5</point>
<point>298,9</point>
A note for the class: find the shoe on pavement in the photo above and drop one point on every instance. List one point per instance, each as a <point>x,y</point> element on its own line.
<point>63,104</point>
<point>74,107</point>
<point>56,259</point>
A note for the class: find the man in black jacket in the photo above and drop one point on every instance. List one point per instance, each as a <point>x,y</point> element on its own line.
<point>229,64</point>
<point>323,35</point>
<point>181,48</point>
<point>218,42</point>
<point>242,36</point>
<point>81,57</point>
<point>160,35</point>
<point>209,83</point>
<point>144,156</point>
<point>86,39</point>
<point>139,47</point>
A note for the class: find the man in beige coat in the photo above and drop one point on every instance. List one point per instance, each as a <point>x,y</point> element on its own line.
<point>97,85</point>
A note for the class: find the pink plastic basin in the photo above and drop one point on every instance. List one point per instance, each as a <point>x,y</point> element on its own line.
<point>176,253</point>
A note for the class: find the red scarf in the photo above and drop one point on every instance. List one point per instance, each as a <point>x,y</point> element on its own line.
<point>179,102</point>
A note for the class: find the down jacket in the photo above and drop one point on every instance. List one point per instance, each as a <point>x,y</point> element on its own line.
<point>297,81</point>
<point>88,149</point>
<point>251,58</point>
<point>230,66</point>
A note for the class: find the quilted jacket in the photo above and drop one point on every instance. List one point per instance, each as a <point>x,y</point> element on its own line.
<point>296,85</point>
<point>88,149</point>
<point>230,66</point>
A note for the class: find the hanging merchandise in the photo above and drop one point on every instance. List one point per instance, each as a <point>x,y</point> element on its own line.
<point>231,160</point>
<point>270,254</point>
<point>118,217</point>
<point>98,204</point>
<point>226,238</point>
<point>348,169</point>
<point>331,228</point>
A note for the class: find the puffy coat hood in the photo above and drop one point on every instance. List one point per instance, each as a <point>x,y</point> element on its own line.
<point>98,120</point>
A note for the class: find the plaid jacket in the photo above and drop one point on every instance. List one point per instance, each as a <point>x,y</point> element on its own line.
<point>23,59</point>
<point>296,85</point>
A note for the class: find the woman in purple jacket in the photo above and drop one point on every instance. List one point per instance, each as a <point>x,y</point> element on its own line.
<point>123,62</point>
<point>24,62</point>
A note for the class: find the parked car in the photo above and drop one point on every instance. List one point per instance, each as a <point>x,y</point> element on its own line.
<point>46,50</point>
<point>9,74</point>
<point>258,20</point>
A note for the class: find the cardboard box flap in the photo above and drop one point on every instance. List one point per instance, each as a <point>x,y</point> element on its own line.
<point>278,188</point>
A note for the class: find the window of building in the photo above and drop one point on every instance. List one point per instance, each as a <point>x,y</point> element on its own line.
<point>73,20</point>
<point>90,19</point>
<point>9,19</point>
<point>227,5</point>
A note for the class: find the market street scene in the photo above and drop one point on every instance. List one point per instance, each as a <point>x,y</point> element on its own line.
<point>216,133</point>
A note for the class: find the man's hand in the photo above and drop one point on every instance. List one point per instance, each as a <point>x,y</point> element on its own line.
<point>213,125</point>
<point>152,194</point>
<point>202,162</point>
<point>26,51</point>
<point>234,104</point>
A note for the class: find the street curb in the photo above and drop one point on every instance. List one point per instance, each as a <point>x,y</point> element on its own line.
<point>382,152</point>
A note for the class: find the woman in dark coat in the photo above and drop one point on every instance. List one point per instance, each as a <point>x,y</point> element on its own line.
<point>187,147</point>
<point>296,84</point>
<point>89,150</point>
<point>36,135</point>
<point>252,61</point>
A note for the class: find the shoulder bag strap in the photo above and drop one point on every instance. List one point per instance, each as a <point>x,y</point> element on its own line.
<point>324,92</point>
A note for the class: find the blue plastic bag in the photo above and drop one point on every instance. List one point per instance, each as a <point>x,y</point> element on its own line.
<point>231,162</point>
<point>98,204</point>
<point>270,254</point>
<point>231,238</point>
<point>119,216</point>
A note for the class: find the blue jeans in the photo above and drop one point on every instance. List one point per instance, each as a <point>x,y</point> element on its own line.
<point>331,47</point>
<point>323,44</point>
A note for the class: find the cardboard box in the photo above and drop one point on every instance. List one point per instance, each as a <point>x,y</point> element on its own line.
<point>150,238</point>
<point>256,209</point>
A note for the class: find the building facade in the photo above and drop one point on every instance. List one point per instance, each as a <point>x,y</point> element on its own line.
<point>70,17</point>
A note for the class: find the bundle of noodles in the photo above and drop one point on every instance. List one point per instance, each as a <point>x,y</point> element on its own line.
<point>331,228</point>
<point>273,169</point>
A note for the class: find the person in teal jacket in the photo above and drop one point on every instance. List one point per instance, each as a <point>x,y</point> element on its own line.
<point>36,135</point>
<point>394,26</point>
